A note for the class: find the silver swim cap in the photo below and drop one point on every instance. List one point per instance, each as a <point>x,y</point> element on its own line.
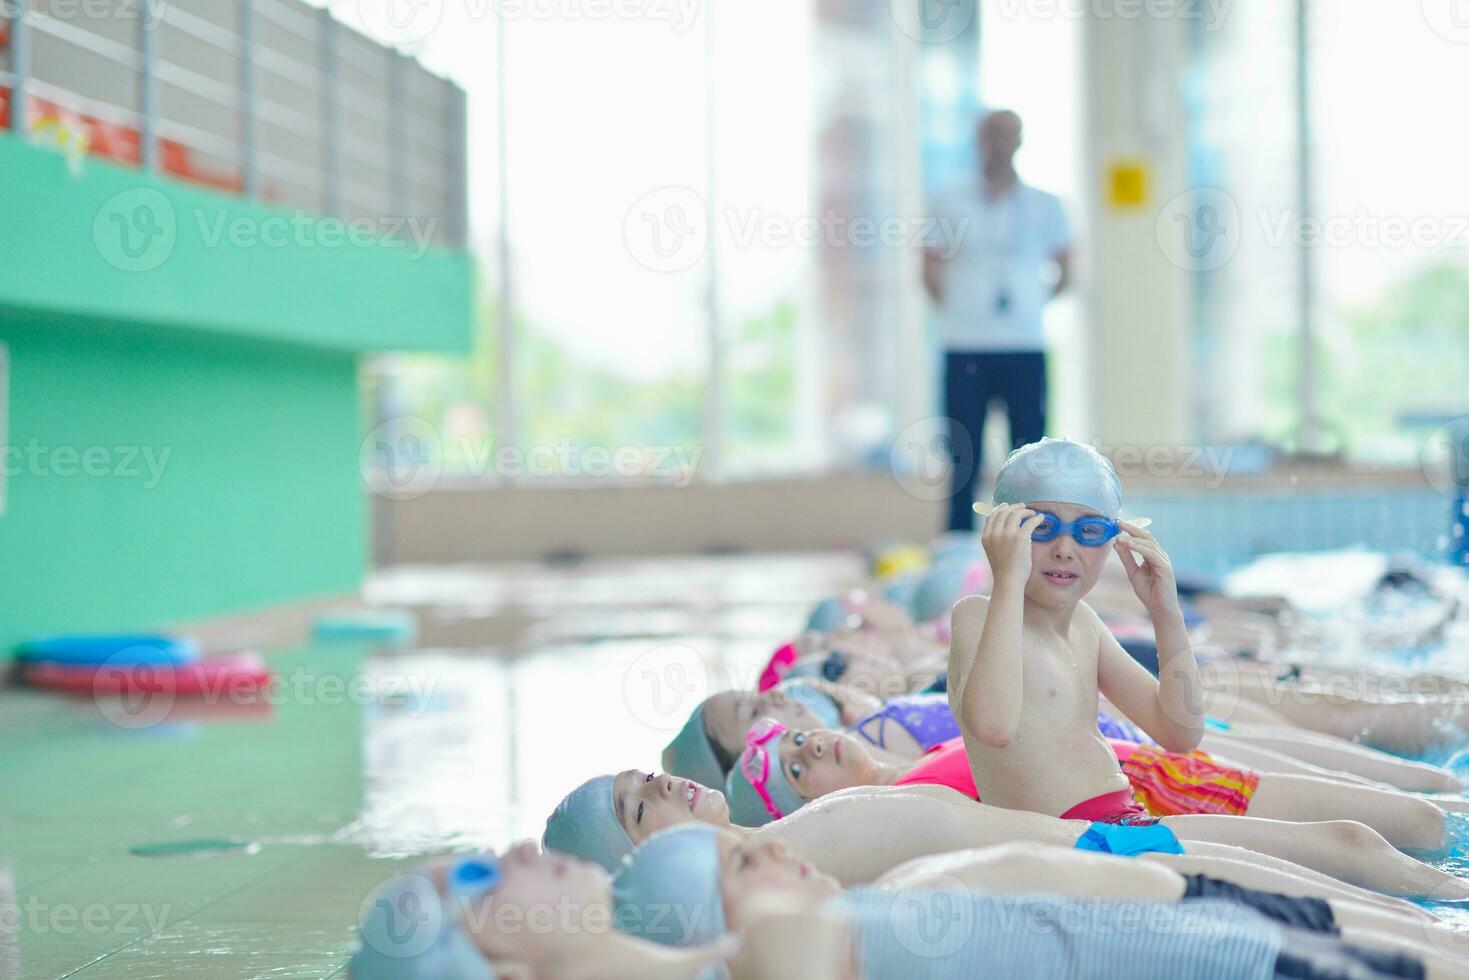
<point>1063,471</point>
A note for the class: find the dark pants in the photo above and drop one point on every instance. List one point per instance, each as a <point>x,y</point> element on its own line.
<point>971,382</point>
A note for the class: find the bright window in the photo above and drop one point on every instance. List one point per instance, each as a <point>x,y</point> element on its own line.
<point>1368,250</point>
<point>681,263</point>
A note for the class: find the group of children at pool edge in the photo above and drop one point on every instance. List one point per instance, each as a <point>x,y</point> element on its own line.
<point>811,830</point>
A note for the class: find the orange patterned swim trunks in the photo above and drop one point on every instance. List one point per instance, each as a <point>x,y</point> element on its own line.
<point>1169,784</point>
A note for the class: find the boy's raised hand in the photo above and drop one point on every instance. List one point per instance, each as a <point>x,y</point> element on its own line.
<point>1148,568</point>
<point>1006,540</point>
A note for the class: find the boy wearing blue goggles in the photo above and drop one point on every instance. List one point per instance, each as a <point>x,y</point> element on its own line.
<point>1028,662</point>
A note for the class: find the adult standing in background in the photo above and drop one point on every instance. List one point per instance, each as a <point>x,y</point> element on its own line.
<point>1011,256</point>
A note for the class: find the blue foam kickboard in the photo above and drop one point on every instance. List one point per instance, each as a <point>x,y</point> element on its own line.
<point>118,650</point>
<point>377,625</point>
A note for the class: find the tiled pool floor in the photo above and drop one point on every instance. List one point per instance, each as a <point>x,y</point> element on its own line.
<point>527,679</point>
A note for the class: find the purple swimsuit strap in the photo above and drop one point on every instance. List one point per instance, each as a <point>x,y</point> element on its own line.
<point>864,729</point>
<point>925,717</point>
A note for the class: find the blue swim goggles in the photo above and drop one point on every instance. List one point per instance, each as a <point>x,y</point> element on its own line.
<point>474,876</point>
<point>1093,532</point>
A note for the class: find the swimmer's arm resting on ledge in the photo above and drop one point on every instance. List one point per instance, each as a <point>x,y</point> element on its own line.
<point>861,833</point>
<point>1030,867</point>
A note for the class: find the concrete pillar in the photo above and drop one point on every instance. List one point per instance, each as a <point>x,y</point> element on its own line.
<point>1140,291</point>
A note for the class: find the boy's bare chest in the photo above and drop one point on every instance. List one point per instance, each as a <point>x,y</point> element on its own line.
<point>1059,673</point>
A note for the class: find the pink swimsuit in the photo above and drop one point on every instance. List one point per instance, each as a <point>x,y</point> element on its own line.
<point>947,764</point>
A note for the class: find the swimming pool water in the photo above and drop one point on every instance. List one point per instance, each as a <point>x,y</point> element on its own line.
<point>468,742</point>
<point>1350,624</point>
<point>1455,860</point>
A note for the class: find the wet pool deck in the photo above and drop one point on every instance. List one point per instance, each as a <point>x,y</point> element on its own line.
<point>525,680</point>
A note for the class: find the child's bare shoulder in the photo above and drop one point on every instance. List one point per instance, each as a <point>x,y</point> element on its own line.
<point>1092,621</point>
<point>1087,612</point>
<point>1090,616</point>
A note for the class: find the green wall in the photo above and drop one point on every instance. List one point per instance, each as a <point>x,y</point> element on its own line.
<point>212,264</point>
<point>258,500</point>
<point>231,360</point>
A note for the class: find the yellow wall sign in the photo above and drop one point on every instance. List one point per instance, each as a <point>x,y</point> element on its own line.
<point>1129,184</point>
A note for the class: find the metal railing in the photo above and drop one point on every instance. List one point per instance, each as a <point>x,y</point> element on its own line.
<point>274,99</point>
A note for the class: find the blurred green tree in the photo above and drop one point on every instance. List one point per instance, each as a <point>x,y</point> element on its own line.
<point>563,397</point>
<point>1404,353</point>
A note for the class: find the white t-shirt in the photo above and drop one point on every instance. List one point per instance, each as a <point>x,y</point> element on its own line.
<point>1000,251</point>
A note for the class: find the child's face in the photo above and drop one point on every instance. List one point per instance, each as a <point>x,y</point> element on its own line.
<point>1063,570</point>
<point>820,761</point>
<point>532,877</point>
<point>648,802</point>
<point>730,714</point>
<point>763,866</point>
<point>531,883</point>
